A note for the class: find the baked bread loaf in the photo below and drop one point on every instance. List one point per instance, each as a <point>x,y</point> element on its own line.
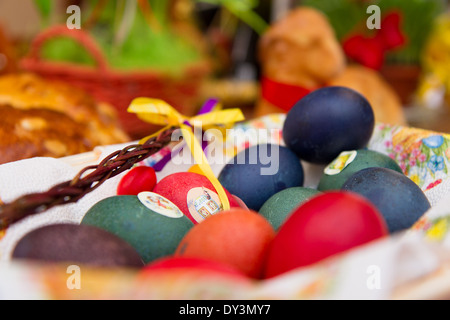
<point>385,102</point>
<point>301,50</point>
<point>8,56</point>
<point>40,117</point>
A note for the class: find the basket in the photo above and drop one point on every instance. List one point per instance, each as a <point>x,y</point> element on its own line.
<point>117,87</point>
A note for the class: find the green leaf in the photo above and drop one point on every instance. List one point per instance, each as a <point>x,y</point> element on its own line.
<point>45,8</point>
<point>252,19</point>
<point>242,5</point>
<point>243,9</point>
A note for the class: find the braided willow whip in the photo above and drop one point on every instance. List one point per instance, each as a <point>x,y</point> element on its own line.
<point>73,190</point>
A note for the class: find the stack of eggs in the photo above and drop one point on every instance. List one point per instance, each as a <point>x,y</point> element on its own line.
<point>275,223</point>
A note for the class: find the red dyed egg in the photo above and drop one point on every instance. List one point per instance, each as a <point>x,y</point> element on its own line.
<point>193,194</point>
<point>325,225</point>
<point>192,263</point>
<point>238,237</point>
<point>138,179</point>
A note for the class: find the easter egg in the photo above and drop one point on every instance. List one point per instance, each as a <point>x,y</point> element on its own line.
<point>349,162</point>
<point>237,237</point>
<point>240,202</point>
<point>398,198</point>
<point>278,207</point>
<point>193,194</point>
<point>137,179</point>
<point>325,225</point>
<point>149,222</point>
<point>74,243</point>
<point>191,263</point>
<point>258,172</point>
<point>326,122</point>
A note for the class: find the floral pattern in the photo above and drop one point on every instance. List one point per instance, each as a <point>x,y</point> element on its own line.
<point>437,229</point>
<point>424,156</point>
<point>434,227</point>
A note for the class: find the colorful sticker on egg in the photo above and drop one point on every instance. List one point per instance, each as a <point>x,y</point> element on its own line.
<point>202,203</point>
<point>159,204</point>
<point>342,161</point>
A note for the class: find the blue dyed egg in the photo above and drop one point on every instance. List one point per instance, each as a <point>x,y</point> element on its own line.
<point>258,172</point>
<point>398,198</point>
<point>326,122</point>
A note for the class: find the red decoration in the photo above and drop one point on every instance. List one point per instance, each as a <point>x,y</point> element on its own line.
<point>433,184</point>
<point>282,95</point>
<point>370,51</point>
<point>367,51</point>
<point>390,34</point>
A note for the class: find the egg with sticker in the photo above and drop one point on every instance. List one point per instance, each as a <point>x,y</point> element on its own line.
<point>349,162</point>
<point>194,194</point>
<point>150,223</point>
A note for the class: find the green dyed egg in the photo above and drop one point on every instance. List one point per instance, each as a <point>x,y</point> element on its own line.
<point>350,162</point>
<point>149,222</point>
<point>278,207</point>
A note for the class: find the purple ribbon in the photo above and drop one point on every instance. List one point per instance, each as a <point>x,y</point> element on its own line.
<point>208,106</point>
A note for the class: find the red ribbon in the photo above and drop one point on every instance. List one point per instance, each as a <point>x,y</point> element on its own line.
<point>282,95</point>
<point>370,51</point>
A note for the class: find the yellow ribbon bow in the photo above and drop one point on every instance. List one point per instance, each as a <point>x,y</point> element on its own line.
<point>159,112</point>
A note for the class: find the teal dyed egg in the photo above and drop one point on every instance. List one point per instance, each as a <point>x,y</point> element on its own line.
<point>278,207</point>
<point>149,222</point>
<point>349,162</point>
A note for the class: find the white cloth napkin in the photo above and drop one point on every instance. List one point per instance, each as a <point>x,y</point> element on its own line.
<point>38,175</point>
<point>41,173</point>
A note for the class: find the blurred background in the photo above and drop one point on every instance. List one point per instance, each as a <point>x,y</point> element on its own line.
<point>187,51</point>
